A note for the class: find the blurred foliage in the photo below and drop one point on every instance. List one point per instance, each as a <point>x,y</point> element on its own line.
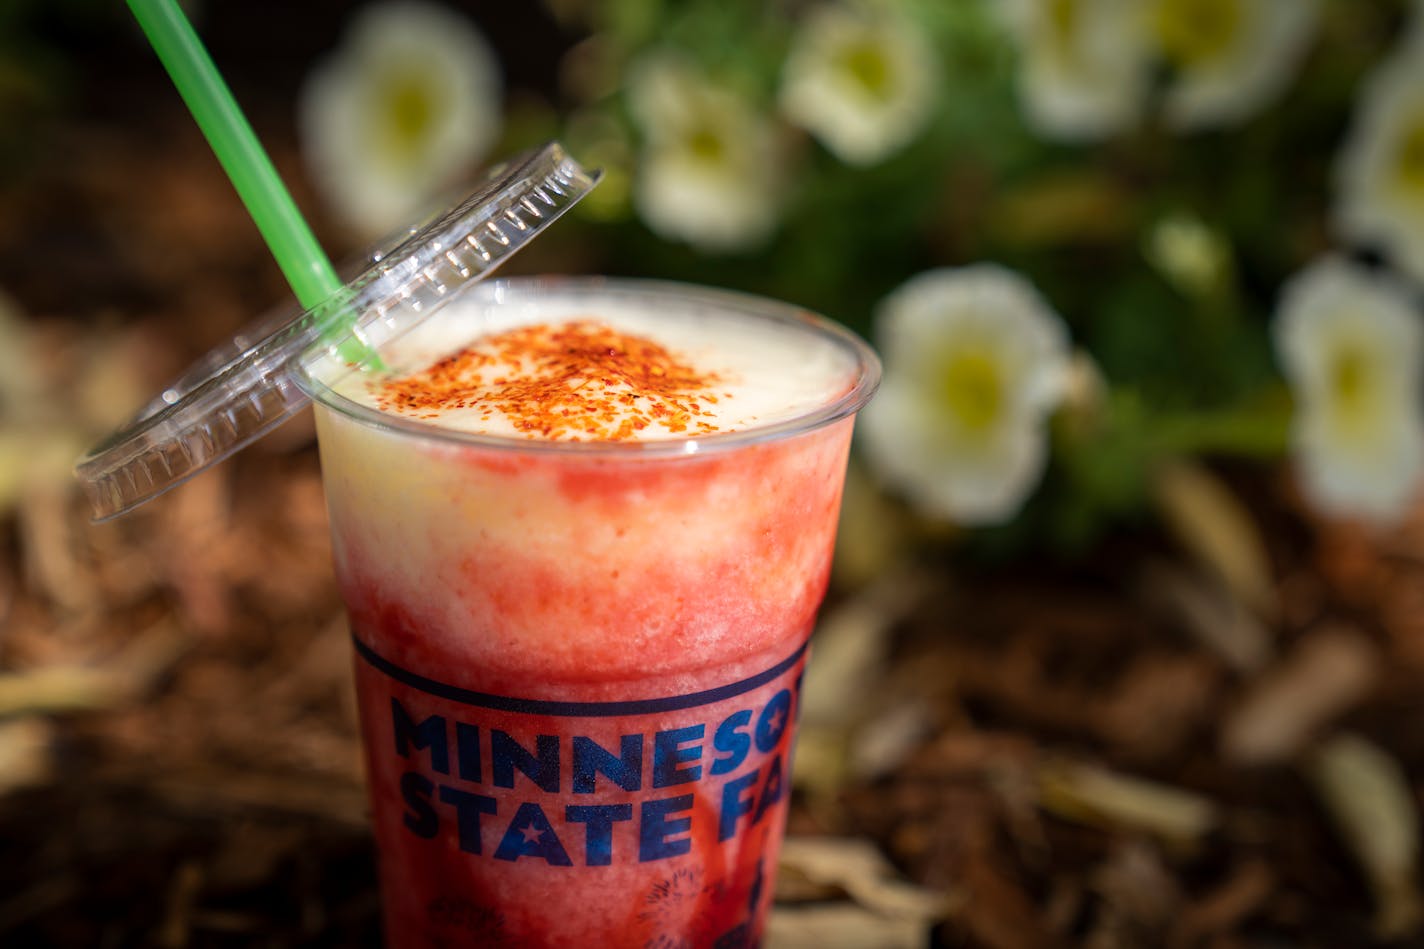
<point>848,235</point>
<point>1188,367</point>
<point>1183,348</point>
<point>978,183</point>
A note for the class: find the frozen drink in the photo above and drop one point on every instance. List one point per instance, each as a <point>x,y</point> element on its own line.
<point>582,529</point>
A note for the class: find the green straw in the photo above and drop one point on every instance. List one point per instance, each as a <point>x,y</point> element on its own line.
<point>302,260</point>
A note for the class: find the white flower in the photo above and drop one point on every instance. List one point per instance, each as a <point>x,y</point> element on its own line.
<point>1380,176</point>
<point>709,174</point>
<point>1083,65</point>
<point>863,85</point>
<point>1350,345</point>
<point>1228,57</point>
<point>975,361</point>
<point>408,102</point>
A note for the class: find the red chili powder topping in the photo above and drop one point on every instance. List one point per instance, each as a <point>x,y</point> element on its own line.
<point>574,381</point>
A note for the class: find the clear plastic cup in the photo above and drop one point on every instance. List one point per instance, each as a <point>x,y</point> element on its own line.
<point>578,663</point>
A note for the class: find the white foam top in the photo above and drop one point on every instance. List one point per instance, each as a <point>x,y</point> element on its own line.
<point>610,367</point>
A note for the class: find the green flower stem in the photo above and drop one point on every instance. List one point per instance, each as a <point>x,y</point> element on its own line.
<point>1108,454</point>
<point>1254,430</point>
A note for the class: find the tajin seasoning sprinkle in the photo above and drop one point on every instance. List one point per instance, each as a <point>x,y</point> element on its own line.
<point>574,381</point>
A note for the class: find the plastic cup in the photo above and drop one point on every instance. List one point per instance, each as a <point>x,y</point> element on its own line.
<point>578,664</point>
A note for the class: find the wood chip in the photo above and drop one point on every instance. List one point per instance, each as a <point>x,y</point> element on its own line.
<point>308,795</point>
<point>1102,798</point>
<point>1212,525</point>
<point>886,741</point>
<point>857,867</point>
<point>1159,704</point>
<point>1240,895</point>
<point>841,926</point>
<point>850,646</point>
<point>25,753</point>
<point>1205,608</point>
<point>995,912</point>
<point>1377,814</point>
<point>175,931</point>
<point>47,528</point>
<point>1327,673</point>
<point>1139,897</point>
<point>69,688</point>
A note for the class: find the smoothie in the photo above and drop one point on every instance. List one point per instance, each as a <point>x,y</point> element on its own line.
<point>582,529</point>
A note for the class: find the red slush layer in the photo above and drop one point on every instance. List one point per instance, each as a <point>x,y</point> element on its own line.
<point>574,579</point>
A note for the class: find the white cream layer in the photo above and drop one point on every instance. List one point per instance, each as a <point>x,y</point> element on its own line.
<point>769,371</point>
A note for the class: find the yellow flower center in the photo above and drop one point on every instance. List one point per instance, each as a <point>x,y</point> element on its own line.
<point>705,144</point>
<point>1062,20</point>
<point>409,110</point>
<point>867,65</point>
<point>1409,160</point>
<point>1193,32</point>
<point>1355,396</point>
<point>972,389</point>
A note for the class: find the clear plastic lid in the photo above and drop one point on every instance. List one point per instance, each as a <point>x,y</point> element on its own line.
<point>246,387</point>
